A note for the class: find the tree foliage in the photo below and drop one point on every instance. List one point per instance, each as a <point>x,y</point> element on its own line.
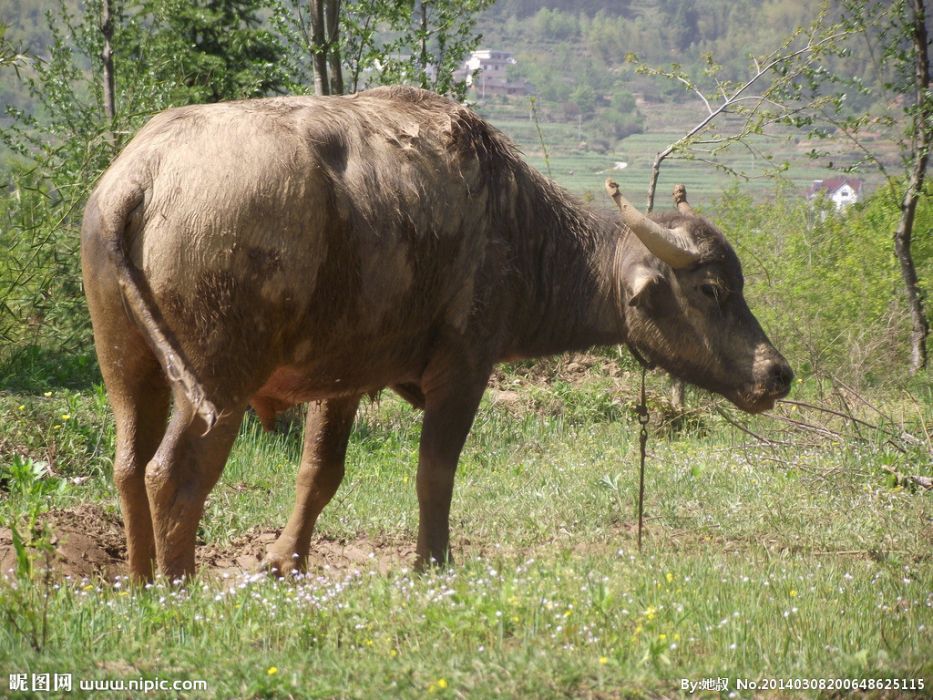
<point>896,78</point>
<point>381,42</point>
<point>209,50</point>
<point>826,287</point>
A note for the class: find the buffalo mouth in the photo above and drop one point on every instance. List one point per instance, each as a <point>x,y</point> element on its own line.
<point>757,400</point>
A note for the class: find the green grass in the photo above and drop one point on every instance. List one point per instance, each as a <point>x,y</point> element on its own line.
<point>759,561</point>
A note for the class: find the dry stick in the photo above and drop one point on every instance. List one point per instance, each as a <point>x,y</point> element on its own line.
<point>803,425</point>
<point>854,393</point>
<point>852,418</point>
<point>904,435</point>
<point>534,114</point>
<point>845,405</point>
<point>856,422</point>
<point>923,423</point>
<point>745,430</point>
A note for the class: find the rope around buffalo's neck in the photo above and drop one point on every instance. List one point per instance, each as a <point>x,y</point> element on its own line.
<point>641,411</point>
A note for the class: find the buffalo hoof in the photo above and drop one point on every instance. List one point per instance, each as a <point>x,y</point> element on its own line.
<point>427,564</point>
<point>282,564</point>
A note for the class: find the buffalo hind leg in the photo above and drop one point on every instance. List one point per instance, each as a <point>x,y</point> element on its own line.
<point>140,416</point>
<point>139,396</point>
<point>449,411</point>
<point>178,479</point>
<point>327,432</point>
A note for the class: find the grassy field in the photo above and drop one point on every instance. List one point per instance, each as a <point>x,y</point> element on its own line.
<point>795,559</point>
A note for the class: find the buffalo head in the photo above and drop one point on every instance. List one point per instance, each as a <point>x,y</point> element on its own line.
<point>685,309</point>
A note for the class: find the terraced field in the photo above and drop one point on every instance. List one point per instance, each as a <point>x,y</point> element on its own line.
<point>753,168</point>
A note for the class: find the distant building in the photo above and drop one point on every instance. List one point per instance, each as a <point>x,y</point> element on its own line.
<point>841,191</point>
<point>486,72</point>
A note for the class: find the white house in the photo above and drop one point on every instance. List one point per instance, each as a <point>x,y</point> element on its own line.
<point>486,71</point>
<point>841,191</point>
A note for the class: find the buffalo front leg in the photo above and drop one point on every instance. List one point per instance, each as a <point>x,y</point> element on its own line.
<point>448,416</point>
<point>327,432</point>
<point>178,479</point>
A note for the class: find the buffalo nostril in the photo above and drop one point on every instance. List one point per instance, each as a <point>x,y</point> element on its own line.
<point>780,376</point>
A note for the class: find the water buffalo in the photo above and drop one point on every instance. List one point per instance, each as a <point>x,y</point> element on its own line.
<point>301,249</point>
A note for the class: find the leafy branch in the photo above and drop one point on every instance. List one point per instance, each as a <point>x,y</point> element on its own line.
<point>783,66</point>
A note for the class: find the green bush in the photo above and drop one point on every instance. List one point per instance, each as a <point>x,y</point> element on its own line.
<point>826,285</point>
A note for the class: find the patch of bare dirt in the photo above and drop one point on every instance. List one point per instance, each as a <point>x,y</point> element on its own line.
<point>244,554</point>
<point>88,542</point>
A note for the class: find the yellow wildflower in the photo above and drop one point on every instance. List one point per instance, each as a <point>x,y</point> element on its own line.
<point>66,416</point>
<point>603,660</point>
<point>271,671</point>
<point>793,593</point>
<point>669,576</point>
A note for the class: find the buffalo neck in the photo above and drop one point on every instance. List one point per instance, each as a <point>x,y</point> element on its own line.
<point>564,276</point>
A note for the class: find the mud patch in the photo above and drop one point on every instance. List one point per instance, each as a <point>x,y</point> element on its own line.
<point>244,553</point>
<point>88,542</point>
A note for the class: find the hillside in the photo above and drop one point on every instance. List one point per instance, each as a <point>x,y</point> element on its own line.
<point>593,108</point>
<point>596,111</point>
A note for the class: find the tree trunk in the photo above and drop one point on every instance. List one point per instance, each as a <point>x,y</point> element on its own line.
<point>922,119</point>
<point>425,83</point>
<point>319,48</point>
<point>653,180</point>
<point>332,27</point>
<point>106,55</point>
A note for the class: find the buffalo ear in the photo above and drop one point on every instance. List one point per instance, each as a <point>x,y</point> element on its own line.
<point>644,288</point>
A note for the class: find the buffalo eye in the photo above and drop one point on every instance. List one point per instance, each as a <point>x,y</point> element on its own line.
<point>710,291</point>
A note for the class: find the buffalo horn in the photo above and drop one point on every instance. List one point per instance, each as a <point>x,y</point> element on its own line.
<point>680,201</point>
<point>672,246</point>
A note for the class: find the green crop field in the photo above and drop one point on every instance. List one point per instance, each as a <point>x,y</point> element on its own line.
<point>749,167</point>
